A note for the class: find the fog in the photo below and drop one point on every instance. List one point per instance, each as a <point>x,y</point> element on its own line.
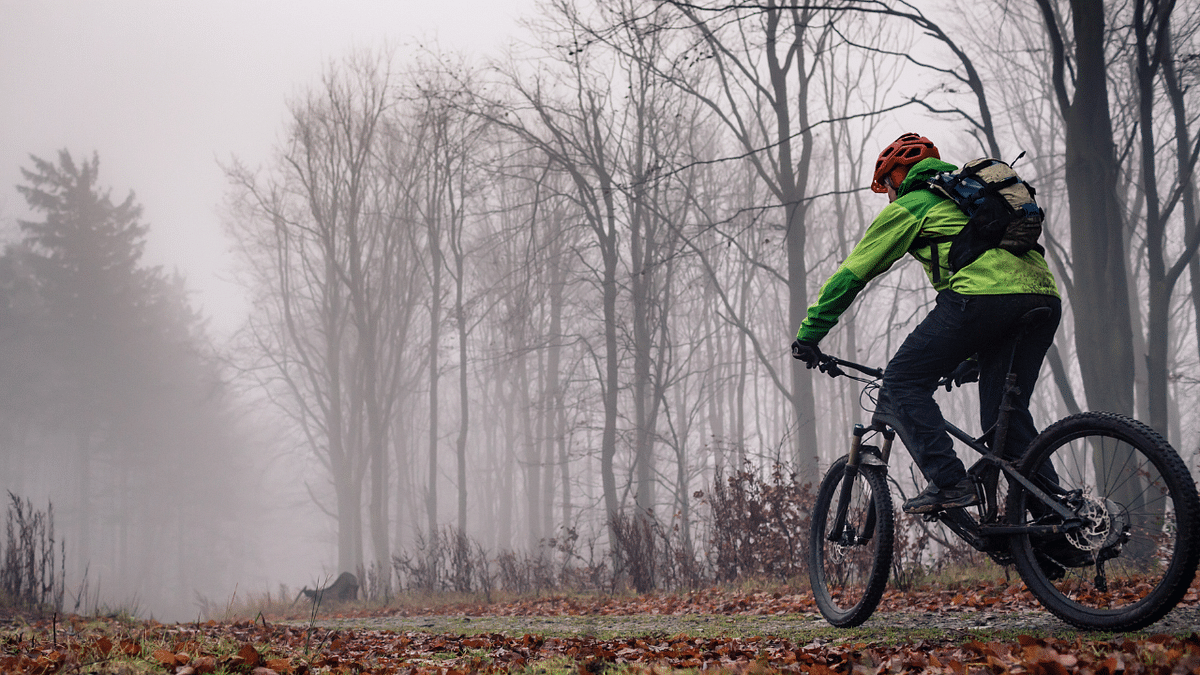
<point>372,275</point>
<point>164,93</point>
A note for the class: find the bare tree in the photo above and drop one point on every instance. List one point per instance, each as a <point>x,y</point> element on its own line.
<point>447,142</point>
<point>320,240</point>
<point>1153,55</point>
<point>575,135</point>
<point>1104,332</point>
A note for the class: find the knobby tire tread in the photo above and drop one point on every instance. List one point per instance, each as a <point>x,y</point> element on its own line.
<point>1179,575</point>
<point>884,536</point>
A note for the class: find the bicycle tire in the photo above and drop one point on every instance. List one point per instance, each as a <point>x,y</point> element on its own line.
<point>1141,516</point>
<point>845,592</point>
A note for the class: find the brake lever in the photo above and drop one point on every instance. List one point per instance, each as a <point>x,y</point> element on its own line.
<point>830,368</point>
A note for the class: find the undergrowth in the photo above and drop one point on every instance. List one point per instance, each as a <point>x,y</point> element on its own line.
<point>754,540</point>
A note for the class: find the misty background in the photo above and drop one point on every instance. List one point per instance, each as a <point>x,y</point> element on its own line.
<point>290,287</point>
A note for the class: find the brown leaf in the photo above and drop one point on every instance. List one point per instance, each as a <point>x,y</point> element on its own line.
<point>1111,666</point>
<point>250,656</point>
<point>165,658</point>
<point>205,665</point>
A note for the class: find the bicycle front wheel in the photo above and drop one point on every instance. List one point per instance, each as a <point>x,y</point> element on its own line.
<point>848,569</point>
<point>1134,553</point>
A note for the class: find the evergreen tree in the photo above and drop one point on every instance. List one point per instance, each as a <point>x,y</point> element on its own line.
<point>130,385</point>
<point>85,257</point>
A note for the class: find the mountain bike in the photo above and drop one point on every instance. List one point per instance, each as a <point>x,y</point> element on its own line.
<point>1099,515</point>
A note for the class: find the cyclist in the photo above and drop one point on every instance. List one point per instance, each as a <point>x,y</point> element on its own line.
<point>974,316</point>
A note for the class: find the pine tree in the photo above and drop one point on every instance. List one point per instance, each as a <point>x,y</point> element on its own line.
<point>86,255</point>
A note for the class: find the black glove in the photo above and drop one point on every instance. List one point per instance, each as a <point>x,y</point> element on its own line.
<point>807,352</point>
<point>967,371</point>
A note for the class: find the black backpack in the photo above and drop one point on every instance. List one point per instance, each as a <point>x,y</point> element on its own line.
<point>1001,208</point>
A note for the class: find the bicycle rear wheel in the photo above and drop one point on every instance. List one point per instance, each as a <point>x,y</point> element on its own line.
<point>1136,552</point>
<point>848,574</point>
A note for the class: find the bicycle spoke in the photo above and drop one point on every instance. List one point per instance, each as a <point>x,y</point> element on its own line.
<point>1133,556</point>
<point>849,571</point>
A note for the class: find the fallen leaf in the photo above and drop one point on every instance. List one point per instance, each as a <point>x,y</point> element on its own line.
<point>250,656</point>
<point>165,658</point>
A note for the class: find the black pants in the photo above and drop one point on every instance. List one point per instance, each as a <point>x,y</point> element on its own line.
<point>958,327</point>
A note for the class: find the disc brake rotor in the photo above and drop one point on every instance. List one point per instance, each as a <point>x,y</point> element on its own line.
<point>1103,523</point>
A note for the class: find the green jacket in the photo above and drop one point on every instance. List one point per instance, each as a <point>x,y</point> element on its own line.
<point>904,227</point>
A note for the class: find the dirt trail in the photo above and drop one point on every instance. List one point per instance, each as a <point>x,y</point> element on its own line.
<point>801,627</point>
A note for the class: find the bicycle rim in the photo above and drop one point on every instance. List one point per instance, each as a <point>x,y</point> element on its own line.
<point>848,575</point>
<point>1135,554</point>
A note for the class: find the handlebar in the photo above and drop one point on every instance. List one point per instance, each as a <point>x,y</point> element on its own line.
<point>831,366</point>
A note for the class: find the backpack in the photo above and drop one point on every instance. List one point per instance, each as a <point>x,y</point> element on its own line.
<point>1001,208</point>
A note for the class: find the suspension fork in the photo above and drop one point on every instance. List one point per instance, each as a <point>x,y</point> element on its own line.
<point>853,463</point>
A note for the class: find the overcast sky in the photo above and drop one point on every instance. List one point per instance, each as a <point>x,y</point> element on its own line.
<point>164,89</point>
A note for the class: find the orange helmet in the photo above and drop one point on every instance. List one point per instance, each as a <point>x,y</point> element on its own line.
<point>903,152</point>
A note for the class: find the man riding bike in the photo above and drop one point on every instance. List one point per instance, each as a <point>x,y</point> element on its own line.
<point>970,325</point>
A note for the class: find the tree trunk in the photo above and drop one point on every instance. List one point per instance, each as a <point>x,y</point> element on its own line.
<point>1103,330</point>
<point>435,324</point>
<point>464,399</point>
<point>1163,275</point>
<point>608,439</point>
<point>556,413</point>
<point>531,462</point>
<point>508,458</point>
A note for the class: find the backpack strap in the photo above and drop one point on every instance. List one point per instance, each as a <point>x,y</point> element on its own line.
<point>933,242</point>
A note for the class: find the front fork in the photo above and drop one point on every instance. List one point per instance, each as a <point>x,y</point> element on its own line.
<point>859,454</point>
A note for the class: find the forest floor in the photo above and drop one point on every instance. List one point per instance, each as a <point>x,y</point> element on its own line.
<point>987,627</point>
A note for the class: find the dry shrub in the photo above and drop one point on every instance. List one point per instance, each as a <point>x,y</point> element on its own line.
<point>759,528</point>
<point>375,583</point>
<point>446,561</point>
<point>29,579</point>
<point>910,550</point>
<point>652,557</point>
<point>577,572</point>
<point>635,546</point>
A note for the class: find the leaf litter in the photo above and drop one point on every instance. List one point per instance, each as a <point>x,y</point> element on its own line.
<point>77,645</point>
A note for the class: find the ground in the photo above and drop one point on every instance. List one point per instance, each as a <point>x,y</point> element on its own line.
<point>990,627</point>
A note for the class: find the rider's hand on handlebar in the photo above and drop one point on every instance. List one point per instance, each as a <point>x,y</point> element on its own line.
<point>967,371</point>
<point>807,352</point>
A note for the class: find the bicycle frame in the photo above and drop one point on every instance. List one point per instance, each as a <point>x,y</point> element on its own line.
<point>984,534</point>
